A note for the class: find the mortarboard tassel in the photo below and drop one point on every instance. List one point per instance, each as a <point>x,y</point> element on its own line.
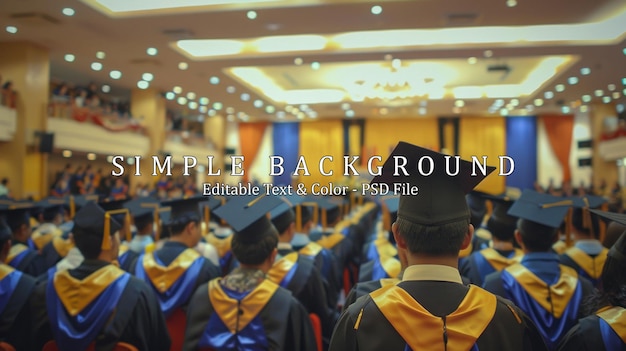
<point>157,220</point>
<point>127,220</point>
<point>106,239</point>
<point>299,219</point>
<point>323,218</point>
<point>207,218</point>
<point>72,207</point>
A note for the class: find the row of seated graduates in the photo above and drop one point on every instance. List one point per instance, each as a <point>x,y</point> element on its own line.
<point>50,246</point>
<point>494,248</point>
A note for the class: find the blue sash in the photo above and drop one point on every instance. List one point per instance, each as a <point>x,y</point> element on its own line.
<point>7,287</point>
<point>611,340</point>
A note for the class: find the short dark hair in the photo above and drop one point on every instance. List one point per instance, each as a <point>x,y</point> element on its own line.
<point>440,240</point>
<point>253,252</point>
<point>89,244</point>
<point>143,221</point>
<point>536,237</point>
<point>501,230</point>
<point>178,225</point>
<point>578,221</point>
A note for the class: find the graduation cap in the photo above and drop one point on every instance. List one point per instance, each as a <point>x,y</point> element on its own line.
<point>329,210</point>
<point>618,250</point>
<point>582,219</point>
<point>500,223</point>
<point>142,208</point>
<point>17,213</point>
<point>162,219</point>
<point>184,210</point>
<point>283,215</point>
<point>441,197</point>
<point>247,215</point>
<point>51,207</point>
<point>541,208</point>
<point>78,201</point>
<point>207,207</point>
<point>93,220</point>
<point>5,232</point>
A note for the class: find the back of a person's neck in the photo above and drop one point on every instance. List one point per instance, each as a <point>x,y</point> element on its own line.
<point>450,261</point>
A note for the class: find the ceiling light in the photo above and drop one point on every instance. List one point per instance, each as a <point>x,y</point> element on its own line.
<point>191,95</point>
<point>315,65</point>
<point>100,55</point>
<point>304,107</point>
<point>598,92</point>
<point>230,89</point>
<point>498,102</point>
<point>585,71</point>
<point>11,29</point>
<point>488,53</point>
<point>130,160</point>
<point>142,84</point>
<point>572,80</point>
<point>504,112</point>
<point>214,80</point>
<point>177,90</point>
<point>286,43</point>
<point>69,57</point>
<point>616,95</point>
<point>270,109</point>
<point>559,88</point>
<point>289,108</point>
<point>217,105</point>
<point>514,102</point>
<point>280,114</point>
<point>396,63</point>
<point>388,57</point>
<point>91,156</point>
<point>67,153</point>
<point>212,112</point>
<point>192,105</point>
<point>511,3</point>
<point>230,110</point>
<point>421,110</point>
<point>623,81</point>
<point>624,92</point>
<point>565,109</point>
<point>383,111</point>
<point>377,10</point>
<point>152,51</point>
<point>148,77</point>
<point>170,95</point>
<point>538,102</point>
<point>349,113</point>
<point>115,74</point>
<point>230,118</point>
<point>96,66</point>
<point>202,109</point>
<point>298,61</point>
<point>586,98</point>
<point>472,60</point>
<point>258,103</point>
<point>619,108</point>
<point>611,87</point>
<point>345,106</point>
<point>584,108</point>
<point>183,66</point>
<point>203,100</point>
<point>245,97</point>
<point>182,100</point>
<point>68,11</point>
<point>295,110</point>
<point>624,51</point>
<point>251,15</point>
<point>606,99</point>
<point>106,88</point>
<point>548,95</point>
<point>312,114</point>
<point>459,103</point>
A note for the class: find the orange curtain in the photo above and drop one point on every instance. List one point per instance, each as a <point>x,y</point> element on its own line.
<point>250,137</point>
<point>559,130</point>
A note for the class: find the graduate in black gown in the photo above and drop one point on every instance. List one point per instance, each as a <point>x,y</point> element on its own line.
<point>15,311</point>
<point>296,272</point>
<point>245,310</point>
<point>503,253</point>
<point>550,293</point>
<point>431,308</point>
<point>605,328</point>
<point>22,257</point>
<point>97,302</point>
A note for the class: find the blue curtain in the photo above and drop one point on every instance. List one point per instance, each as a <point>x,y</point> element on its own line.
<point>286,140</point>
<point>521,145</point>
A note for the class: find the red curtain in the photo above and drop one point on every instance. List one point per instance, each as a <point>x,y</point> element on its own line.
<point>560,132</point>
<point>250,138</point>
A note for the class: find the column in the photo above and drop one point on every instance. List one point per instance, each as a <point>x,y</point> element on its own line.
<point>602,170</point>
<point>27,66</point>
<point>215,132</point>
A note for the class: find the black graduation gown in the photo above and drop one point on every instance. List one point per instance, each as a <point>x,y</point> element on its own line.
<point>326,263</point>
<point>16,316</point>
<point>363,326</point>
<point>139,321</point>
<point>364,288</point>
<point>55,251</point>
<point>587,336</point>
<point>31,263</point>
<point>343,249</point>
<point>285,323</point>
<point>471,269</point>
<point>307,286</point>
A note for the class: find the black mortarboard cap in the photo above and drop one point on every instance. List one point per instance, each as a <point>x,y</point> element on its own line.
<point>5,232</point>
<point>582,219</point>
<point>329,210</point>
<point>142,207</point>
<point>247,215</point>
<point>283,215</point>
<point>184,210</point>
<point>541,208</point>
<point>441,197</point>
<point>17,213</point>
<point>51,207</point>
<point>500,223</point>
<point>618,250</point>
<point>93,220</point>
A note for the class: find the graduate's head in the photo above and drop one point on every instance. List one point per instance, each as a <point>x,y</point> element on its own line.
<point>477,206</point>
<point>540,216</point>
<point>307,218</point>
<point>501,225</point>
<point>284,217</point>
<point>436,221</point>
<point>329,212</point>
<point>613,279</point>
<point>613,232</point>
<point>142,210</point>
<point>96,233</point>
<point>51,210</point>
<point>184,224</point>
<point>5,241</point>
<point>17,217</point>
<point>255,238</point>
<point>585,224</point>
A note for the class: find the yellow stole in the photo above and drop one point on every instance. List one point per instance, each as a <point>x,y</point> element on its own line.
<point>16,249</point>
<point>591,265</point>
<point>62,246</point>
<point>385,248</point>
<point>5,270</point>
<point>250,306</point>
<point>328,242</point>
<point>559,247</point>
<point>42,240</point>
<point>560,293</point>
<point>222,245</point>
<point>391,266</point>
<point>280,269</point>
<point>385,282</point>
<point>616,318</point>
<point>311,249</point>
<point>77,294</point>
<point>464,326</point>
<point>164,277</point>
<point>499,262</point>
